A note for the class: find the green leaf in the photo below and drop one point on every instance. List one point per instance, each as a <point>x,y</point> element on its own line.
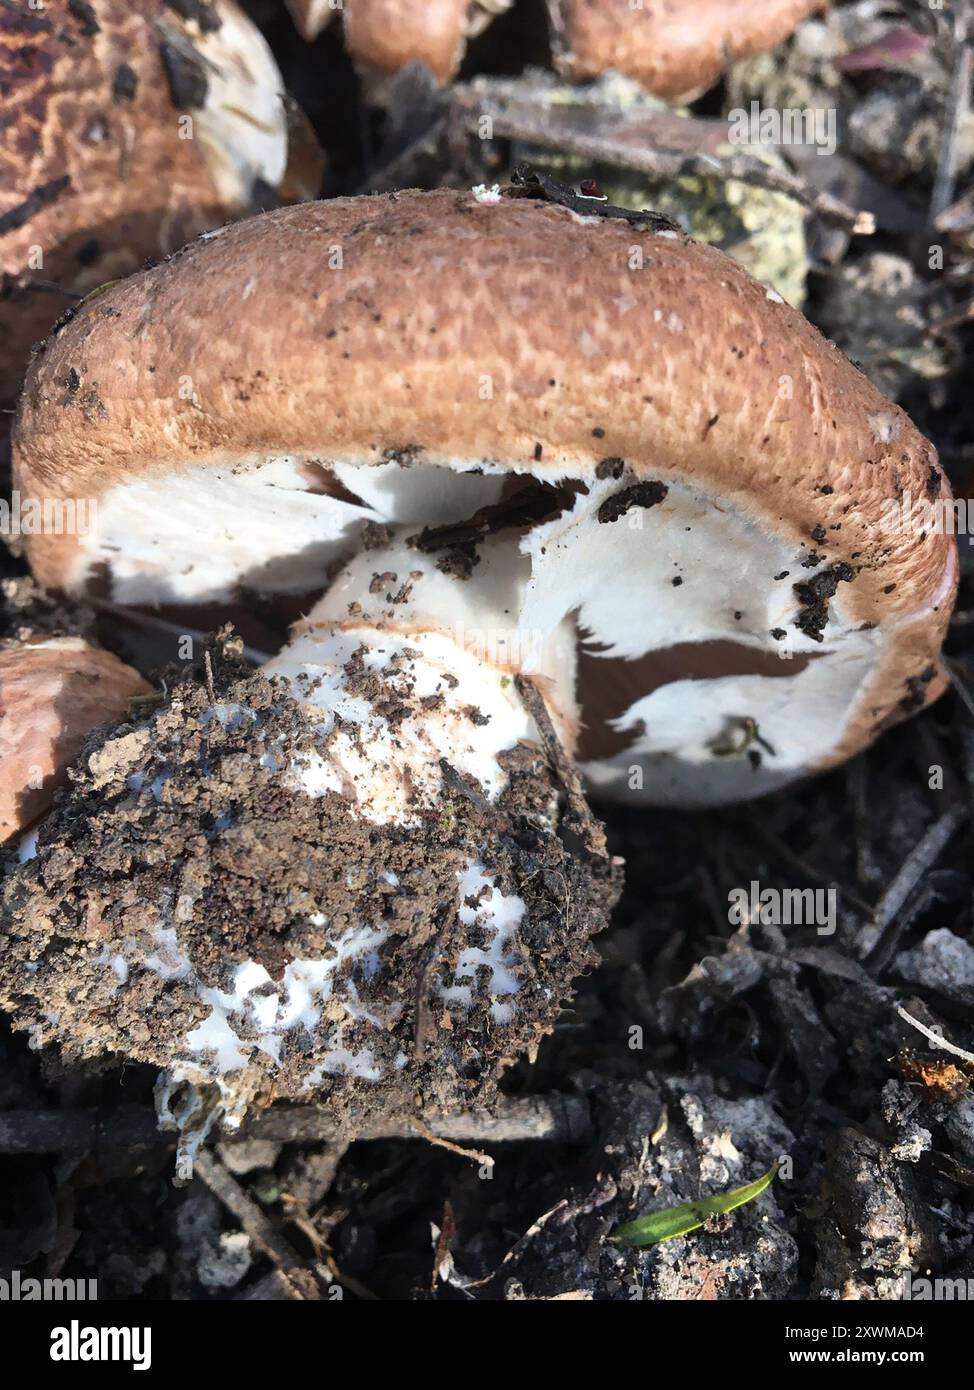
<point>677,1221</point>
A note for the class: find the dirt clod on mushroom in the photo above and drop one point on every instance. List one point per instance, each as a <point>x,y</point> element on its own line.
<point>182,852</point>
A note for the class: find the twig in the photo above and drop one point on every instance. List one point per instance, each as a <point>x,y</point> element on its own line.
<point>867,870</point>
<point>546,126</point>
<point>137,618</point>
<point>261,1230</point>
<point>921,858</point>
<point>589,830</point>
<point>967,700</point>
<point>935,1038</point>
<point>391,176</point>
<point>554,1118</point>
<point>959,216</point>
<point>474,1155</point>
<point>66,1131</point>
<point>208,667</point>
<point>562,1119</point>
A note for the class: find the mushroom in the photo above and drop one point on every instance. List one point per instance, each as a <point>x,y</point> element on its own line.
<point>675,48</point>
<point>53,692</point>
<point>386,35</point>
<point>574,487</point>
<point>648,418</point>
<point>130,128</point>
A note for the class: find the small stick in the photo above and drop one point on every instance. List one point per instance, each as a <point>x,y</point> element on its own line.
<point>593,836</point>
<point>967,700</point>
<point>958,103</point>
<point>921,858</point>
<point>261,1230</point>
<point>208,667</point>
<point>473,1154</point>
<point>939,1042</point>
<point>139,619</point>
<point>555,1118</point>
<point>523,121</point>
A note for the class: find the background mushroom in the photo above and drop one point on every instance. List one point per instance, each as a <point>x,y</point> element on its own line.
<point>675,48</point>
<point>53,692</point>
<point>128,129</point>
<point>386,35</point>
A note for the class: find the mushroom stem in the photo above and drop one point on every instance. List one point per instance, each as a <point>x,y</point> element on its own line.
<point>411,660</point>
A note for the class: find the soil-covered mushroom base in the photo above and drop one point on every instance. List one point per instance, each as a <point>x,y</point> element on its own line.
<point>190,907</point>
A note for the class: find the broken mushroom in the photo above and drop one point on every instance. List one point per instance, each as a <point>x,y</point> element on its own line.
<point>674,48</point>
<point>127,130</point>
<point>569,486</point>
<point>53,692</point>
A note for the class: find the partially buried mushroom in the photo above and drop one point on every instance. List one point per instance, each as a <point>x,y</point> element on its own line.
<point>573,487</point>
<point>125,130</point>
<point>53,692</point>
<point>675,48</point>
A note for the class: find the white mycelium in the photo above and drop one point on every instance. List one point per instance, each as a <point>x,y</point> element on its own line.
<point>500,914</point>
<point>383,767</point>
<point>448,650</point>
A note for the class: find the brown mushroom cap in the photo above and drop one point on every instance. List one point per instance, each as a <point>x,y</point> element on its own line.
<point>96,173</point>
<point>389,34</point>
<point>52,694</point>
<point>386,35</point>
<point>445,333</point>
<point>675,48</point>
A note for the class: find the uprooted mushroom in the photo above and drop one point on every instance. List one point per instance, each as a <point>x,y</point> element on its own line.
<point>127,129</point>
<point>554,488</point>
